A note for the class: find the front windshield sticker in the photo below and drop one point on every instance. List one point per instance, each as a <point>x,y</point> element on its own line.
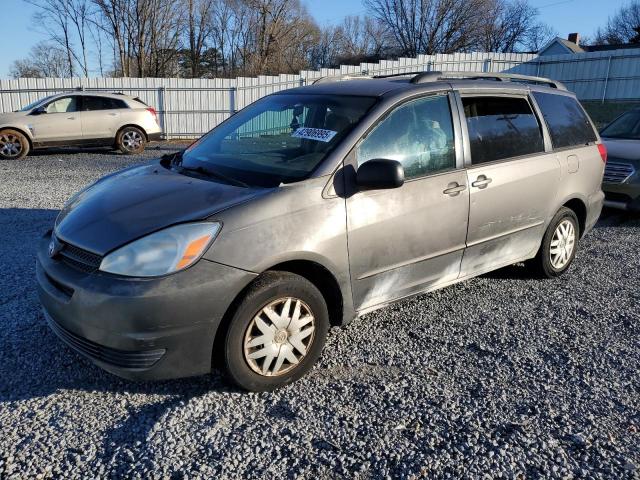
<point>318,134</point>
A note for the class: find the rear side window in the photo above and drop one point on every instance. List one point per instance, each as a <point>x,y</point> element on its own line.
<point>568,125</point>
<point>101,103</point>
<point>501,127</point>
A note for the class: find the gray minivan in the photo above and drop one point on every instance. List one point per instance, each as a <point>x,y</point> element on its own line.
<point>313,206</point>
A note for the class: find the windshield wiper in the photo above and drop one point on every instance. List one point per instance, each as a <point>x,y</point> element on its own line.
<point>212,173</point>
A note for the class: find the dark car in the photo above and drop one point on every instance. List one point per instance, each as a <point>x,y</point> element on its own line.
<point>313,206</point>
<point>621,182</point>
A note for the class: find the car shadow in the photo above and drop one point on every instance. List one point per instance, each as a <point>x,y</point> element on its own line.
<point>618,218</point>
<point>45,152</point>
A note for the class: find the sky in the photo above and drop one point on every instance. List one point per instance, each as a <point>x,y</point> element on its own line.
<point>19,34</point>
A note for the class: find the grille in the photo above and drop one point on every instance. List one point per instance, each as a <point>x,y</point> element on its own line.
<point>78,258</point>
<point>617,172</point>
<point>111,356</point>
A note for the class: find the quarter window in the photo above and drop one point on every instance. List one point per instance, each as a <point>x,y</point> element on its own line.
<point>568,125</point>
<point>419,134</point>
<point>63,105</point>
<point>501,127</point>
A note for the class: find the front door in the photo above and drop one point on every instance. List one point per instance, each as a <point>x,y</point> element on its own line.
<point>60,124</point>
<point>513,182</point>
<point>404,240</point>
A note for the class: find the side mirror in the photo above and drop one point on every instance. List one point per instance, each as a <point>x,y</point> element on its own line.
<point>380,173</point>
<point>39,111</point>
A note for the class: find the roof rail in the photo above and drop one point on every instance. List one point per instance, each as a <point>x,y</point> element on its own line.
<point>426,77</point>
<point>340,78</point>
<point>405,74</point>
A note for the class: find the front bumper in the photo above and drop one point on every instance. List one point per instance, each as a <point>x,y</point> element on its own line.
<point>625,196</point>
<point>140,329</point>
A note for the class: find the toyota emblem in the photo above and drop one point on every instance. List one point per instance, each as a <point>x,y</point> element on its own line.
<point>54,248</point>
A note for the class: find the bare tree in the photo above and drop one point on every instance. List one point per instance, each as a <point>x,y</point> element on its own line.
<point>145,35</point>
<point>45,60</point>
<point>430,26</point>
<point>507,26</point>
<point>540,35</point>
<point>280,33</point>
<point>362,38</point>
<point>199,31</point>
<point>115,24</point>
<point>623,27</point>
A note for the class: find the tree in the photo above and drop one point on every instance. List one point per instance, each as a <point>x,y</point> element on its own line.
<point>508,26</point>
<point>67,22</point>
<point>362,39</point>
<point>199,31</point>
<point>45,60</point>
<point>623,27</point>
<point>430,26</point>
<point>539,36</point>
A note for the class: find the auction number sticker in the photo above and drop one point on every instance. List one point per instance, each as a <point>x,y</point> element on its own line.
<point>318,134</point>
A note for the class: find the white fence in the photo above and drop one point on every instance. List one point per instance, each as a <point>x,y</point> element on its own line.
<point>190,107</point>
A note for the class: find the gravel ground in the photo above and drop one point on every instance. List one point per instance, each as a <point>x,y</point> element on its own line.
<point>501,376</point>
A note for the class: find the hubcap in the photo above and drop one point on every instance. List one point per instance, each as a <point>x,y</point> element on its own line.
<point>562,244</point>
<point>279,337</point>
<point>132,140</point>
<point>10,145</point>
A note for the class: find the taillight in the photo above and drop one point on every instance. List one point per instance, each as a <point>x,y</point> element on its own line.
<point>603,152</point>
<point>153,113</point>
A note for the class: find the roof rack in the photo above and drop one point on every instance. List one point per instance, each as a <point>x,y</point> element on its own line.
<point>426,77</point>
<point>340,78</point>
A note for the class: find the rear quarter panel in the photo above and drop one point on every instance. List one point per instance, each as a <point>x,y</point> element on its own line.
<point>582,170</point>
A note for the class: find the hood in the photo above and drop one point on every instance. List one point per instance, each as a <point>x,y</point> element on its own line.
<point>10,117</point>
<point>135,202</point>
<point>622,149</point>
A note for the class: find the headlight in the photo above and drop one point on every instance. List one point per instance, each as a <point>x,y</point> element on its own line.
<point>166,251</point>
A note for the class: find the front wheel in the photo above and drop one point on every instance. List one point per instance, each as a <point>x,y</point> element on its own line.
<point>559,245</point>
<point>277,332</point>
<point>131,140</point>
<point>13,145</point>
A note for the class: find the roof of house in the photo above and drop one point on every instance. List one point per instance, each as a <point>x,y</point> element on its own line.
<point>571,47</point>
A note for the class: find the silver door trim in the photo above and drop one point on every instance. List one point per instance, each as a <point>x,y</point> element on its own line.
<point>504,234</point>
<point>373,273</point>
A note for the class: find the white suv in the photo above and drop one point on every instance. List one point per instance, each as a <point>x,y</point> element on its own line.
<point>79,118</point>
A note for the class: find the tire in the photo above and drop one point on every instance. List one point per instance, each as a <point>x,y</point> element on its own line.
<point>549,264</point>
<point>131,140</point>
<point>13,145</point>
<point>252,332</point>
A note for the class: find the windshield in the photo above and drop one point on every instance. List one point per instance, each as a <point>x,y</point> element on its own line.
<point>278,139</point>
<point>35,104</point>
<point>625,126</point>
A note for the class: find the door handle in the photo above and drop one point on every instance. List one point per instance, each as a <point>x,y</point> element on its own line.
<point>454,188</point>
<point>482,181</point>
<point>71,118</point>
<point>113,114</point>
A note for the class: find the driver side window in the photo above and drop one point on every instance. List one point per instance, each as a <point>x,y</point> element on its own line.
<point>419,134</point>
<point>62,105</point>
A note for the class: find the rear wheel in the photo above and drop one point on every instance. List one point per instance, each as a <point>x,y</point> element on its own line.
<point>13,145</point>
<point>559,245</point>
<point>277,332</point>
<point>131,140</point>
